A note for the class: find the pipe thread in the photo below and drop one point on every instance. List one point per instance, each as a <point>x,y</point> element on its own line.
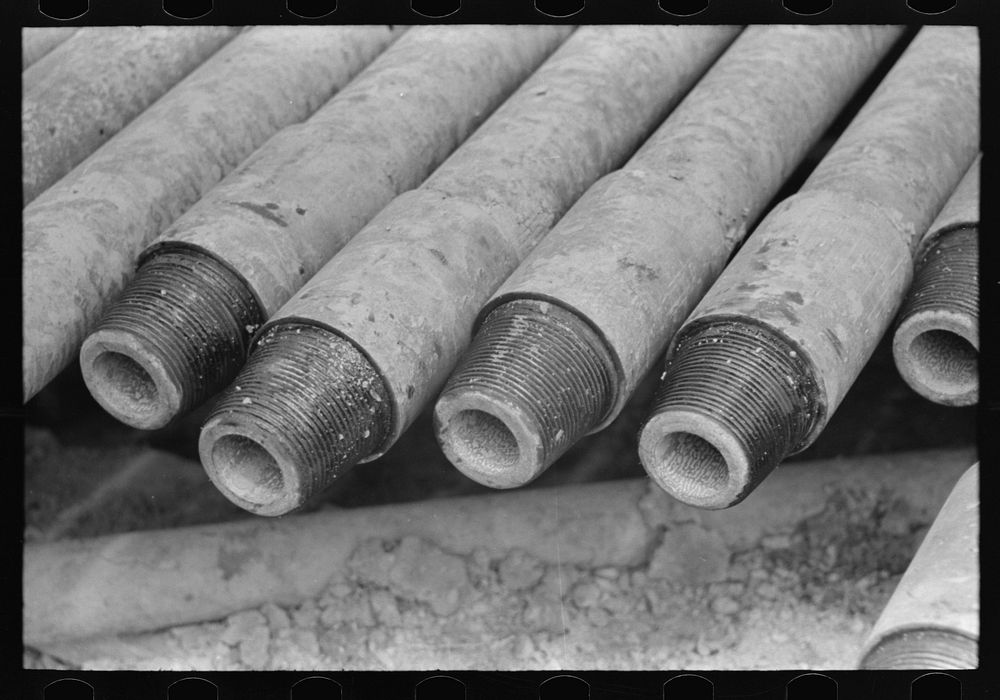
<point>750,381</point>
<point>311,391</point>
<point>930,648</point>
<point>193,314</point>
<point>936,339</point>
<point>548,365</point>
<point>946,276</point>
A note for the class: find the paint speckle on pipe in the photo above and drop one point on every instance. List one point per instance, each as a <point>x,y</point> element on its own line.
<point>264,211</point>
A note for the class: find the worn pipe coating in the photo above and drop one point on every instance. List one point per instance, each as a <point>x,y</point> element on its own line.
<point>254,239</point>
<point>86,90</point>
<point>568,337</point>
<point>936,345</point>
<point>770,351</point>
<point>149,580</point>
<point>82,236</point>
<point>396,305</point>
<point>932,619</point>
<point>38,41</point>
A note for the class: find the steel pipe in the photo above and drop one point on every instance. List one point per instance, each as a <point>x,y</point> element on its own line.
<point>254,239</point>
<point>568,337</point>
<point>38,41</point>
<point>93,84</point>
<point>82,236</point>
<point>768,354</point>
<point>936,344</point>
<point>391,313</point>
<point>153,579</point>
<point>932,619</point>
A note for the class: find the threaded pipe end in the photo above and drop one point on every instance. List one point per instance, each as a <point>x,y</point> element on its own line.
<point>306,406</point>
<point>176,336</point>
<point>936,344</point>
<point>735,399</point>
<point>535,379</point>
<point>927,648</point>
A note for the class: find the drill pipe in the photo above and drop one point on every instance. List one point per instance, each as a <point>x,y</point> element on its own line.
<point>272,223</point>
<point>379,328</point>
<point>38,41</point>
<point>568,337</point>
<point>82,236</point>
<point>141,581</point>
<point>936,345</point>
<point>932,619</point>
<point>770,351</point>
<point>86,90</point>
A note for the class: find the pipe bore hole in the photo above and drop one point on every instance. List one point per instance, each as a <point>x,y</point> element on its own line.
<point>126,384</point>
<point>944,361</point>
<point>483,441</point>
<point>691,465</point>
<point>247,469</point>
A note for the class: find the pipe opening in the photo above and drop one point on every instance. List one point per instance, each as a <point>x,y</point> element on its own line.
<point>126,384</point>
<point>692,466</point>
<point>185,317</point>
<point>483,441</point>
<point>247,469</point>
<point>944,361</point>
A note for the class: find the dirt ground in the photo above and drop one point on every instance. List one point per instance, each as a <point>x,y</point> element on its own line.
<point>803,598</point>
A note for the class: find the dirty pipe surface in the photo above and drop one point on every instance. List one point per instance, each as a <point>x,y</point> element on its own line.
<point>255,238</point>
<point>936,343</point>
<point>405,291</point>
<point>82,236</point>
<point>38,41</point>
<point>932,619</point>
<point>638,250</point>
<point>768,354</point>
<point>154,579</point>
<point>86,90</point>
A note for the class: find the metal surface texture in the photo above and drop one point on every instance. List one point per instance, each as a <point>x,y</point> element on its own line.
<point>88,88</point>
<point>932,619</point>
<point>531,382</point>
<point>406,289</point>
<point>821,277</point>
<point>637,251</point>
<point>38,41</point>
<point>292,204</point>
<point>83,235</point>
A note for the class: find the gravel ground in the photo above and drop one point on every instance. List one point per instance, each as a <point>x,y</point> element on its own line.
<point>804,598</point>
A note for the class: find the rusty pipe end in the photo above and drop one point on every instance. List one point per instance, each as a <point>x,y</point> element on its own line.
<point>125,375</point>
<point>307,406</point>
<point>176,336</point>
<point>492,443</point>
<point>256,471</point>
<point>535,379</point>
<point>735,399</point>
<point>936,344</point>
<point>695,458</point>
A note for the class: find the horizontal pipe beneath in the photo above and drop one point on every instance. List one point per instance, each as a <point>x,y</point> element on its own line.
<point>143,581</point>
